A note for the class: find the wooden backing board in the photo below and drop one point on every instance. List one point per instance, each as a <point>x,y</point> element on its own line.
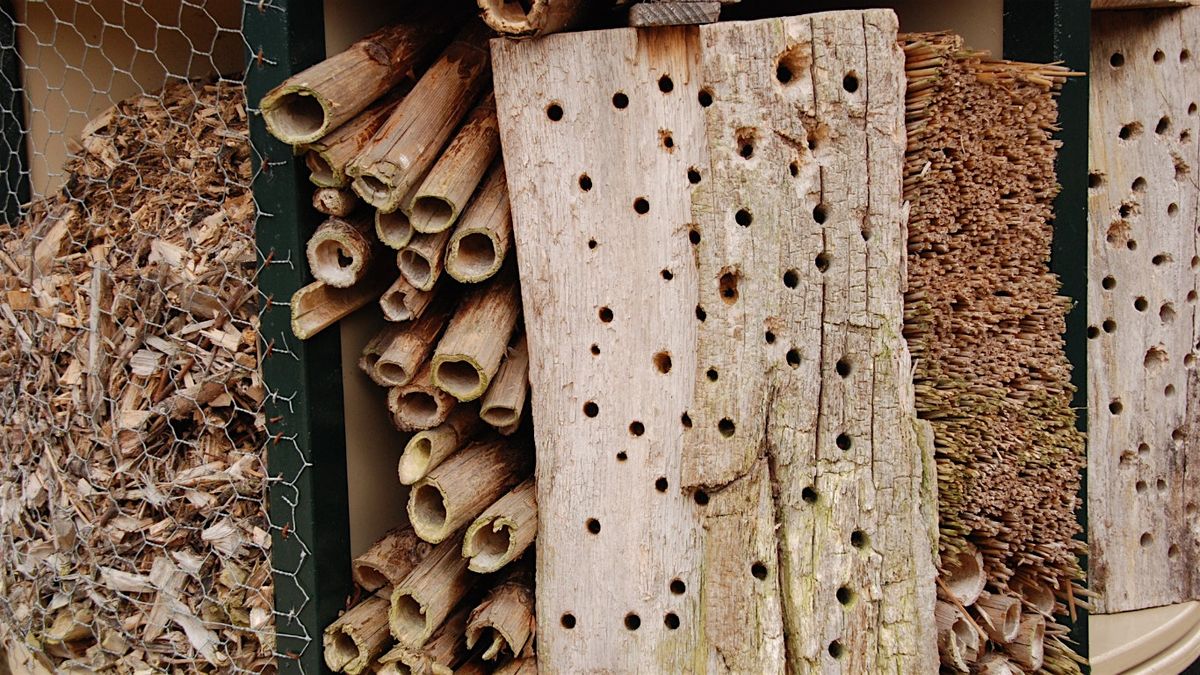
<point>708,434</point>
<point>1143,482</point>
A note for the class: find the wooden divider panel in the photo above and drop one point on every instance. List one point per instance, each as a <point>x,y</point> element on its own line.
<point>1143,480</point>
<point>710,233</point>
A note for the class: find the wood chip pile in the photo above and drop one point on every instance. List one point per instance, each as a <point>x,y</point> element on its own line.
<point>985,324</point>
<point>133,490</point>
<point>419,229</point>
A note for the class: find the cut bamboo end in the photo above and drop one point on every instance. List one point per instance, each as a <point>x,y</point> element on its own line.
<point>421,260</point>
<point>340,252</point>
<point>429,448</point>
<point>419,405</point>
<point>368,361</point>
<point>469,354</point>
<point>503,623</point>
<point>318,305</point>
<point>353,641</point>
<point>408,345</point>
<point>334,201</point>
<point>503,532</point>
<point>321,170</point>
<point>963,575</point>
<point>444,651</point>
<point>327,157</point>
<point>957,637</point>
<point>505,399</point>
<point>453,179</point>
<point>393,229</point>
<point>1028,647</point>
<point>1037,595</point>
<point>993,663</point>
<point>428,594</point>
<point>297,114</point>
<point>482,237</point>
<point>463,486</point>
<point>528,19</point>
<point>402,302</point>
<point>390,559</point>
<point>1000,616</point>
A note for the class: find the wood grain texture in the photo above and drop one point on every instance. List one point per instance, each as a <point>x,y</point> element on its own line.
<point>1140,4</point>
<point>715,558</point>
<point>1143,484</point>
<point>687,13</point>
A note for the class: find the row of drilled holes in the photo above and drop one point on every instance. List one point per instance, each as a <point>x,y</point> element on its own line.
<point>1117,60</point>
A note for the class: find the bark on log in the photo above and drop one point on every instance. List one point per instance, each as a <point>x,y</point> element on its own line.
<point>462,486</point>
<point>390,559</point>
<point>504,530</point>
<point>469,354</point>
<point>426,597</point>
<point>316,101</point>
<point>504,622</point>
<point>327,157</point>
<point>430,447</point>
<point>334,201</point>
<point>1028,647</point>
<point>541,18</point>
<point>453,179</point>
<point>505,398</point>
<point>341,251</point>
<point>353,641</point>
<point>408,143</point>
<point>318,306</point>
<point>444,651</point>
<point>402,302</point>
<point>422,260</point>
<point>419,404</point>
<point>1000,616</point>
<point>481,239</point>
<point>410,344</point>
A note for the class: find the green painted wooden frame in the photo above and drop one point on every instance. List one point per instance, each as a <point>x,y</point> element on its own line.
<point>14,172</point>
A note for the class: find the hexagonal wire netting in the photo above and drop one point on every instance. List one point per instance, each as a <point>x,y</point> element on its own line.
<point>134,534</point>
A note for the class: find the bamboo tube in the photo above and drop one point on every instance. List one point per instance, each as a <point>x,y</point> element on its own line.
<point>1037,595</point>
<point>390,559</point>
<point>505,399</point>
<point>1028,647</point>
<point>481,240</point>
<point>369,359</point>
<point>453,179</point>
<point>503,531</point>
<point>963,575</point>
<point>393,228</point>
<point>340,251</point>
<point>462,486</point>
<point>318,306</point>
<point>1000,616</point>
<point>318,100</point>
<point>958,642</point>
<point>418,404</point>
<point>428,594</point>
<point>334,201</point>
<point>518,667</point>
<point>410,343</point>
<point>421,260</point>
<point>402,302</point>
<point>408,143</point>
<point>504,621</point>
<point>444,651</point>
<point>427,449</point>
<point>358,636</point>
<point>327,157</point>
<point>469,354</point>
<point>541,18</point>
<point>994,663</point>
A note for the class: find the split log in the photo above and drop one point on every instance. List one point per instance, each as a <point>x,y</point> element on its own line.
<point>504,622</point>
<point>505,398</point>
<point>444,651</point>
<point>419,404</point>
<point>402,302</point>
<point>318,306</point>
<point>469,354</point>
<point>518,667</point>
<point>409,344</point>
<point>390,559</point>
<point>481,240</point>
<point>340,252</point>
<point>327,157</point>
<point>962,575</point>
<point>1028,647</point>
<point>430,447</point>
<point>995,663</point>
<point>408,143</point>
<point>957,638</point>
<point>503,532</point>
<point>462,486</point>
<point>1000,616</point>
<point>452,181</point>
<point>318,100</point>
<point>422,259</point>
<point>334,201</point>
<point>542,17</point>
<point>428,594</point>
<point>353,641</point>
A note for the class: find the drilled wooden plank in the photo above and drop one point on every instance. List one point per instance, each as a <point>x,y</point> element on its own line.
<point>1143,484</point>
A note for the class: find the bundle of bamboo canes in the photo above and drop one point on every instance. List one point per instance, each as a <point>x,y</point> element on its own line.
<point>984,323</point>
<point>413,175</point>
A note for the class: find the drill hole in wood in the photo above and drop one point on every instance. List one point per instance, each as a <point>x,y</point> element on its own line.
<point>678,587</point>
<point>641,205</point>
<point>585,182</point>
<point>1116,60</point>
<point>728,287</point>
<point>705,97</point>
<point>661,484</point>
<point>593,526</point>
<point>850,82</point>
<point>567,620</point>
<point>633,621</point>
<point>637,428</point>
<point>1163,126</point>
<point>726,427</point>
<point>1130,131</point>
<point>758,570</point>
<point>693,175</point>
<point>743,217</point>
<point>700,497</point>
<point>605,314</point>
<point>671,621</point>
<point>591,409</point>
<point>662,362</point>
<point>1108,283</point>
<point>665,84</point>
<point>620,101</point>
<point>555,112</point>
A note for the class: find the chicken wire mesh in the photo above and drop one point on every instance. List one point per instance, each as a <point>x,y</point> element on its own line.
<point>134,533</point>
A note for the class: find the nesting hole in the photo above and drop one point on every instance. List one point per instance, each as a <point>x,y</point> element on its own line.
<point>822,261</point>
<point>1116,60</point>
<point>843,442</point>
<point>605,314</point>
<point>1172,209</point>
<point>769,337</point>
<point>1109,326</point>
<point>728,287</point>
<point>554,111</point>
<point>641,205</point>
<point>793,358</point>
<point>758,570</point>
<point>791,278</point>
<point>1140,304</point>
<point>850,82</point>
<point>700,497</point>
<point>1108,283</point>
<point>712,374</point>
<point>693,175</point>
<point>726,427</point>
<point>1130,131</point>
<point>661,484</point>
<point>667,140</point>
<point>620,101</point>
<point>567,620</point>
<point>1166,313</point>
<point>622,456</point>
<point>845,596</point>
<point>593,526</point>
<point>1163,126</point>
<point>637,428</point>
<point>1095,180</point>
<point>858,539</point>
<point>1115,407</point>
<point>1159,56</point>
<point>705,97</point>
<point>1139,184</point>
<point>1161,259</point>
<point>595,350</point>
<point>592,243</point>
<point>591,409</point>
<point>809,495</point>
<point>671,620</point>
<point>667,275</point>
<point>743,217</point>
<point>694,236</point>
<point>843,368</point>
<point>820,213</point>
<point>686,420</point>
<point>585,182</point>
<point>662,362</point>
<point>746,138</point>
<point>665,84</point>
<point>678,587</point>
<point>835,649</point>
<point>1146,539</point>
<point>701,315</point>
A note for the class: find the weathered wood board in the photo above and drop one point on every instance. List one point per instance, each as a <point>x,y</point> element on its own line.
<point>1140,4</point>
<point>1143,482</point>
<point>711,240</point>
